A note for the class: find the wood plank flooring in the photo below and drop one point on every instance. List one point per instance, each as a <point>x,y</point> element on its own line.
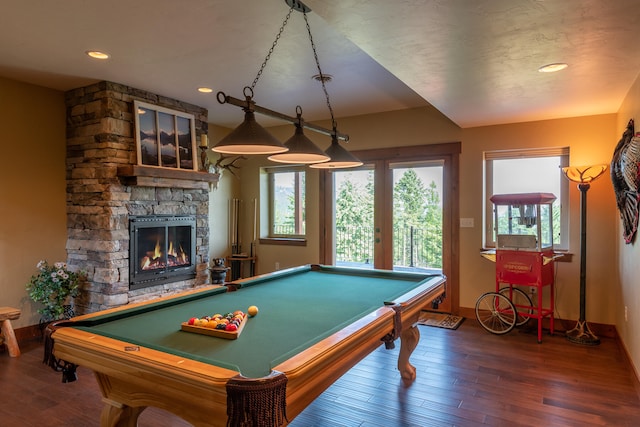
<point>466,377</point>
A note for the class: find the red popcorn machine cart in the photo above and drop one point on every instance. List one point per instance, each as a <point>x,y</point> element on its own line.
<point>524,257</point>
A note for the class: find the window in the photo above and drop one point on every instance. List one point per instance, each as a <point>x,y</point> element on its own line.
<point>286,201</point>
<point>528,171</point>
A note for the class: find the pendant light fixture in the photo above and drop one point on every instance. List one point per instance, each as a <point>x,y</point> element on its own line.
<point>251,138</point>
<point>301,149</point>
<point>340,158</point>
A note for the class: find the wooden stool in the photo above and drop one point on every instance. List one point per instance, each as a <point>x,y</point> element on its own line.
<point>7,314</point>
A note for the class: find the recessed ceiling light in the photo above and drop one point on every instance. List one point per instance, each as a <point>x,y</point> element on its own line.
<point>96,54</point>
<point>322,78</point>
<point>205,89</point>
<point>552,68</point>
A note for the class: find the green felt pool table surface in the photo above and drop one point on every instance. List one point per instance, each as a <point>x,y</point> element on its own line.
<point>297,308</point>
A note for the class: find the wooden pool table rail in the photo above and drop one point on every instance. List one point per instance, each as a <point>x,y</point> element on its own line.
<point>133,377</point>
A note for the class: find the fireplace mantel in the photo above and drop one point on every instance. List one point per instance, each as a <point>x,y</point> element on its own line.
<point>148,176</point>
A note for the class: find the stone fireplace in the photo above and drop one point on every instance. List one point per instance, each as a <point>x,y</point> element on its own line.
<point>107,191</point>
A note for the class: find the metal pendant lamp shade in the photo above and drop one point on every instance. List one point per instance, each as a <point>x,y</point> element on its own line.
<point>249,138</point>
<point>301,150</point>
<point>340,158</point>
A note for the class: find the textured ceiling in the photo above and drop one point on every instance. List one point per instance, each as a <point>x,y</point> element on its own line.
<point>475,61</point>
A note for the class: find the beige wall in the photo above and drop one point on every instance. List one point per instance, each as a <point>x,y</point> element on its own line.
<point>591,140</point>
<point>34,222</point>
<point>628,255</point>
<point>399,128</point>
<point>32,193</point>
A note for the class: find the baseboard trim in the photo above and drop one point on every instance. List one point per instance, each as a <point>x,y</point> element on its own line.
<point>29,333</point>
<point>636,376</point>
<point>559,325</point>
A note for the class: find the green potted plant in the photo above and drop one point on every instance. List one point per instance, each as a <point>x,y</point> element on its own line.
<point>53,287</point>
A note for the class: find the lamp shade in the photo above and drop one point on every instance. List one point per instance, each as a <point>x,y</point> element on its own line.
<point>301,150</point>
<point>249,138</point>
<point>584,174</point>
<point>340,158</point>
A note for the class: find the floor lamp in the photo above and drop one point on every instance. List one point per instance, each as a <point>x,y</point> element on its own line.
<point>583,175</point>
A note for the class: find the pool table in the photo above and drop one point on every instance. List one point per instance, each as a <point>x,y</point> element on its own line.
<point>314,324</point>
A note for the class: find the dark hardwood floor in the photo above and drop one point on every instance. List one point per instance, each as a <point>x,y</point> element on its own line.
<point>466,377</point>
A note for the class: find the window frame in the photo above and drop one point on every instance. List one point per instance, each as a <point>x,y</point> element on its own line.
<point>563,198</point>
<point>299,204</point>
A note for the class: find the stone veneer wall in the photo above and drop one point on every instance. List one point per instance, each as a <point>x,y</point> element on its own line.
<point>100,142</point>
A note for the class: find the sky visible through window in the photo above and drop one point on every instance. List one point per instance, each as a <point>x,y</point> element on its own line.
<point>530,175</point>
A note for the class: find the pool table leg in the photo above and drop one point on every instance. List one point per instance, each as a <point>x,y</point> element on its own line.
<point>408,341</point>
<point>116,414</point>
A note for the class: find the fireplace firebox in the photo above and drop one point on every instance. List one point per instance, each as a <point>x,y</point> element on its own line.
<point>162,249</point>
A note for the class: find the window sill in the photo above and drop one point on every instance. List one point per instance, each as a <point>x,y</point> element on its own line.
<point>566,256</point>
<point>286,241</point>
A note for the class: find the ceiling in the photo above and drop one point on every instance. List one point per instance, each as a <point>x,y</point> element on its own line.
<point>476,61</point>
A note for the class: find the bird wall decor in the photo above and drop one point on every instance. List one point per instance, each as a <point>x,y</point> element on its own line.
<point>625,176</point>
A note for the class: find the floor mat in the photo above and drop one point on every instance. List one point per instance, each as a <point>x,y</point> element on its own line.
<point>440,320</point>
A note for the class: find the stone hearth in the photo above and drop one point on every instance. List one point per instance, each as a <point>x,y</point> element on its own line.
<point>105,185</point>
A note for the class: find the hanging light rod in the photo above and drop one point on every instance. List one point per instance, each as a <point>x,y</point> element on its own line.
<point>251,138</point>
<point>227,99</point>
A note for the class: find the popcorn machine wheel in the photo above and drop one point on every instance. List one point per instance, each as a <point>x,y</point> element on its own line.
<point>524,257</point>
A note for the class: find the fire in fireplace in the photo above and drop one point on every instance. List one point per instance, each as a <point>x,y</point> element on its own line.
<point>162,249</point>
